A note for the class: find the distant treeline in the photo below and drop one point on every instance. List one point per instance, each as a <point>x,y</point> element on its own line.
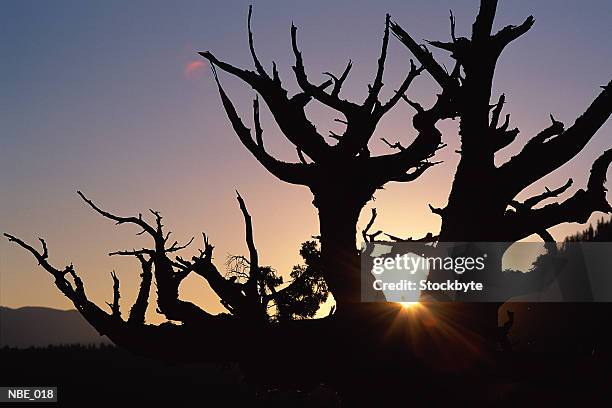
<point>601,233</point>
<point>97,347</point>
<point>578,323</point>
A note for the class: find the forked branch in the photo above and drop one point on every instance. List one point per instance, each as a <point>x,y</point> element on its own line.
<point>295,173</point>
<point>115,309</point>
<point>577,208</point>
<point>555,146</point>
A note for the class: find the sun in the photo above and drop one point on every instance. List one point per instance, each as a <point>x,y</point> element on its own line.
<point>408,305</point>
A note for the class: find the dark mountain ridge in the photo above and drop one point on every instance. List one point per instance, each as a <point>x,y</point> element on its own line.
<point>42,326</point>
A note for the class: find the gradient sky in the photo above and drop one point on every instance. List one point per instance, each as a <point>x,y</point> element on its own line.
<point>111,98</point>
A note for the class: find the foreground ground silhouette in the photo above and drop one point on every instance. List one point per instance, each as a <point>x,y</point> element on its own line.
<point>112,377</point>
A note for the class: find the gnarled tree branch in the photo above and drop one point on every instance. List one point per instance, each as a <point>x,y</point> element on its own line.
<point>116,311</point>
<point>139,308</point>
<point>577,208</point>
<point>294,173</point>
<point>554,146</point>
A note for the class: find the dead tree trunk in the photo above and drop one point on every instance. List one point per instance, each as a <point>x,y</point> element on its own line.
<point>344,176</point>
<point>480,204</point>
<point>339,254</point>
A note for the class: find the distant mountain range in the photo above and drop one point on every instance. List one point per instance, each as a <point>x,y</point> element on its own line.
<point>42,326</point>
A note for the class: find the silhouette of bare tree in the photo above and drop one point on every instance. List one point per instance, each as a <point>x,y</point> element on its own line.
<point>342,177</point>
<point>482,205</point>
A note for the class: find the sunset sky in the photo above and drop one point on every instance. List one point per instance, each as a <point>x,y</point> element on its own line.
<point>112,99</point>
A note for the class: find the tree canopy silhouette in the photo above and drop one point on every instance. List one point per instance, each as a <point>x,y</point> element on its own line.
<point>482,204</point>
<point>342,176</point>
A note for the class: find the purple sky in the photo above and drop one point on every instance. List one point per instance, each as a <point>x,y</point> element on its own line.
<point>111,98</point>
